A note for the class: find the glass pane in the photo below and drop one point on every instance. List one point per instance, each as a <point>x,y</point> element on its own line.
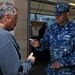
<point>32,17</point>
<point>44,18</point>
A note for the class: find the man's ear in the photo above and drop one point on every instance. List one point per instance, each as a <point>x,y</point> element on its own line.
<point>68,13</point>
<point>8,17</point>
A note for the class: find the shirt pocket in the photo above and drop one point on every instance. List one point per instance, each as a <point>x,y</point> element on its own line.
<point>66,46</point>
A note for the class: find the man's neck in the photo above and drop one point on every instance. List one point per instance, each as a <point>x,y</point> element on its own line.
<point>2,25</point>
<point>62,24</point>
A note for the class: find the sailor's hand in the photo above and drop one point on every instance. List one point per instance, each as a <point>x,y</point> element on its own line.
<point>55,65</point>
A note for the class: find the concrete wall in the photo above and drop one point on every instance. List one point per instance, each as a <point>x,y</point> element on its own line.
<point>20,31</point>
<point>36,7</point>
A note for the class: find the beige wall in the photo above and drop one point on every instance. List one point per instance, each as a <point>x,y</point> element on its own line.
<point>20,31</point>
<point>44,8</point>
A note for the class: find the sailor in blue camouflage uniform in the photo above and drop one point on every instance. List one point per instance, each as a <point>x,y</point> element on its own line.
<point>60,38</point>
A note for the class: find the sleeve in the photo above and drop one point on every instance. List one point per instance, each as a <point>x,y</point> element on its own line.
<point>27,65</point>
<point>44,42</point>
<point>10,62</point>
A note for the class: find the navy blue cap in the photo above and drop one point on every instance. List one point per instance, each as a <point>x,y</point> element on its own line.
<point>61,8</point>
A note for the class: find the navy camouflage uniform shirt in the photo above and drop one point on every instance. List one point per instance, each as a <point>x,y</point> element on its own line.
<point>61,43</point>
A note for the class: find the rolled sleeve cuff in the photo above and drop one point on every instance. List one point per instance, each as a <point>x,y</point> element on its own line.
<point>60,62</point>
<point>63,62</point>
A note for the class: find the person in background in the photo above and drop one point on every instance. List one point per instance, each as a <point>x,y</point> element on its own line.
<point>10,57</point>
<point>42,30</point>
<point>43,55</point>
<point>60,38</point>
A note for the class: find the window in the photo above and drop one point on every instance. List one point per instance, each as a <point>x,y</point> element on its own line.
<point>32,17</point>
<point>43,18</point>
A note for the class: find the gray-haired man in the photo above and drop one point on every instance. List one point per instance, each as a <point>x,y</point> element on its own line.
<point>10,58</point>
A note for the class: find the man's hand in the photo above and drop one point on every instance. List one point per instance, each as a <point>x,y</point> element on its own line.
<point>55,65</point>
<point>31,57</point>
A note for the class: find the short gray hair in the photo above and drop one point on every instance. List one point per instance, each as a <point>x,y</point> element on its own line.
<point>6,8</point>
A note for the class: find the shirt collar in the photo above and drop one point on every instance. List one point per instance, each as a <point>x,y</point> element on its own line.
<point>65,26</point>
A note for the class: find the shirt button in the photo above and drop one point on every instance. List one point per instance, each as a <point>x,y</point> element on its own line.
<point>65,49</point>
